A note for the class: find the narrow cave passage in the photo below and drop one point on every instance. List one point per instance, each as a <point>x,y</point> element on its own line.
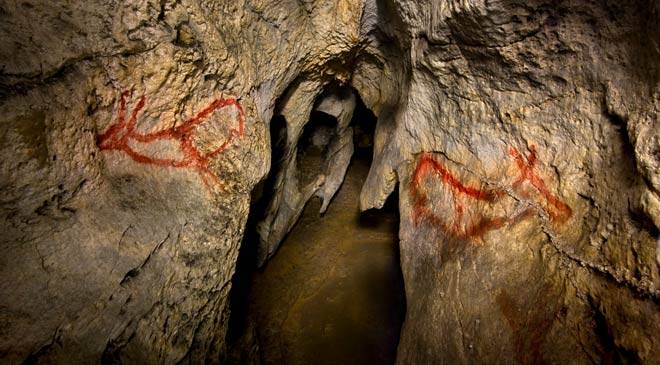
<point>333,292</point>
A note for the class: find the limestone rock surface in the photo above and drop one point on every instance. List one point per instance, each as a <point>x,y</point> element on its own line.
<point>526,154</point>
<point>133,133</point>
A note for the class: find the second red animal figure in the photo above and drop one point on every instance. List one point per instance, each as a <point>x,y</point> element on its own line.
<point>478,224</point>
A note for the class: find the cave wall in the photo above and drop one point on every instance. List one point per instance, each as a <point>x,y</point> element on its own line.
<point>132,135</point>
<point>526,155</point>
<point>522,137</point>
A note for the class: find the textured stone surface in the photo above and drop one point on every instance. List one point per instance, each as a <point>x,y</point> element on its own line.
<point>526,151</point>
<point>523,137</point>
<point>120,242</point>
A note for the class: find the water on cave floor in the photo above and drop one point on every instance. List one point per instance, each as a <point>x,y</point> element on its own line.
<point>333,293</point>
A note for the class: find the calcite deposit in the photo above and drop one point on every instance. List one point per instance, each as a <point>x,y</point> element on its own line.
<point>522,136</point>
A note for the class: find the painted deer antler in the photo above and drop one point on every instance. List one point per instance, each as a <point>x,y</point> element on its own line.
<point>428,165</point>
<point>558,211</point>
<point>118,136</point>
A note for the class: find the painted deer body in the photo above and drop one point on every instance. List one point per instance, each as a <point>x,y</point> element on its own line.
<point>477,225</point>
<point>121,134</point>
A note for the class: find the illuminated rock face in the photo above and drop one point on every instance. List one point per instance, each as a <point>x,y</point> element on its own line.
<point>526,151</point>
<point>522,136</point>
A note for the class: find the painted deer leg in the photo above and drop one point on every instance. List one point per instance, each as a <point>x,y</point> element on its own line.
<point>119,134</point>
<point>557,210</point>
<point>111,136</point>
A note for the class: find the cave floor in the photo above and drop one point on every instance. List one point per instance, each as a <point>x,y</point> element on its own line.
<point>333,293</point>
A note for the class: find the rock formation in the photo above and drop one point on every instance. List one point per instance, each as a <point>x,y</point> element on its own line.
<point>522,137</point>
<point>526,150</point>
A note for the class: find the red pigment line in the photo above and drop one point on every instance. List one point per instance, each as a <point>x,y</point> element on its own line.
<point>563,211</point>
<point>475,229</point>
<point>118,135</point>
<point>458,210</point>
<point>111,136</point>
<point>428,164</point>
<point>484,225</point>
<point>526,167</point>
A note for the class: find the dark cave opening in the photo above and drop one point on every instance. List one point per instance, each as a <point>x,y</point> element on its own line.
<point>345,264</point>
<point>246,264</point>
<point>313,145</point>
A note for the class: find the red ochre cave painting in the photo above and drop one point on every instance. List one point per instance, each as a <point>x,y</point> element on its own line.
<point>120,134</point>
<point>466,226</point>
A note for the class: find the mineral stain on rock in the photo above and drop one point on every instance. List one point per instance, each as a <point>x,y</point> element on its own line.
<point>32,129</point>
<point>529,324</point>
